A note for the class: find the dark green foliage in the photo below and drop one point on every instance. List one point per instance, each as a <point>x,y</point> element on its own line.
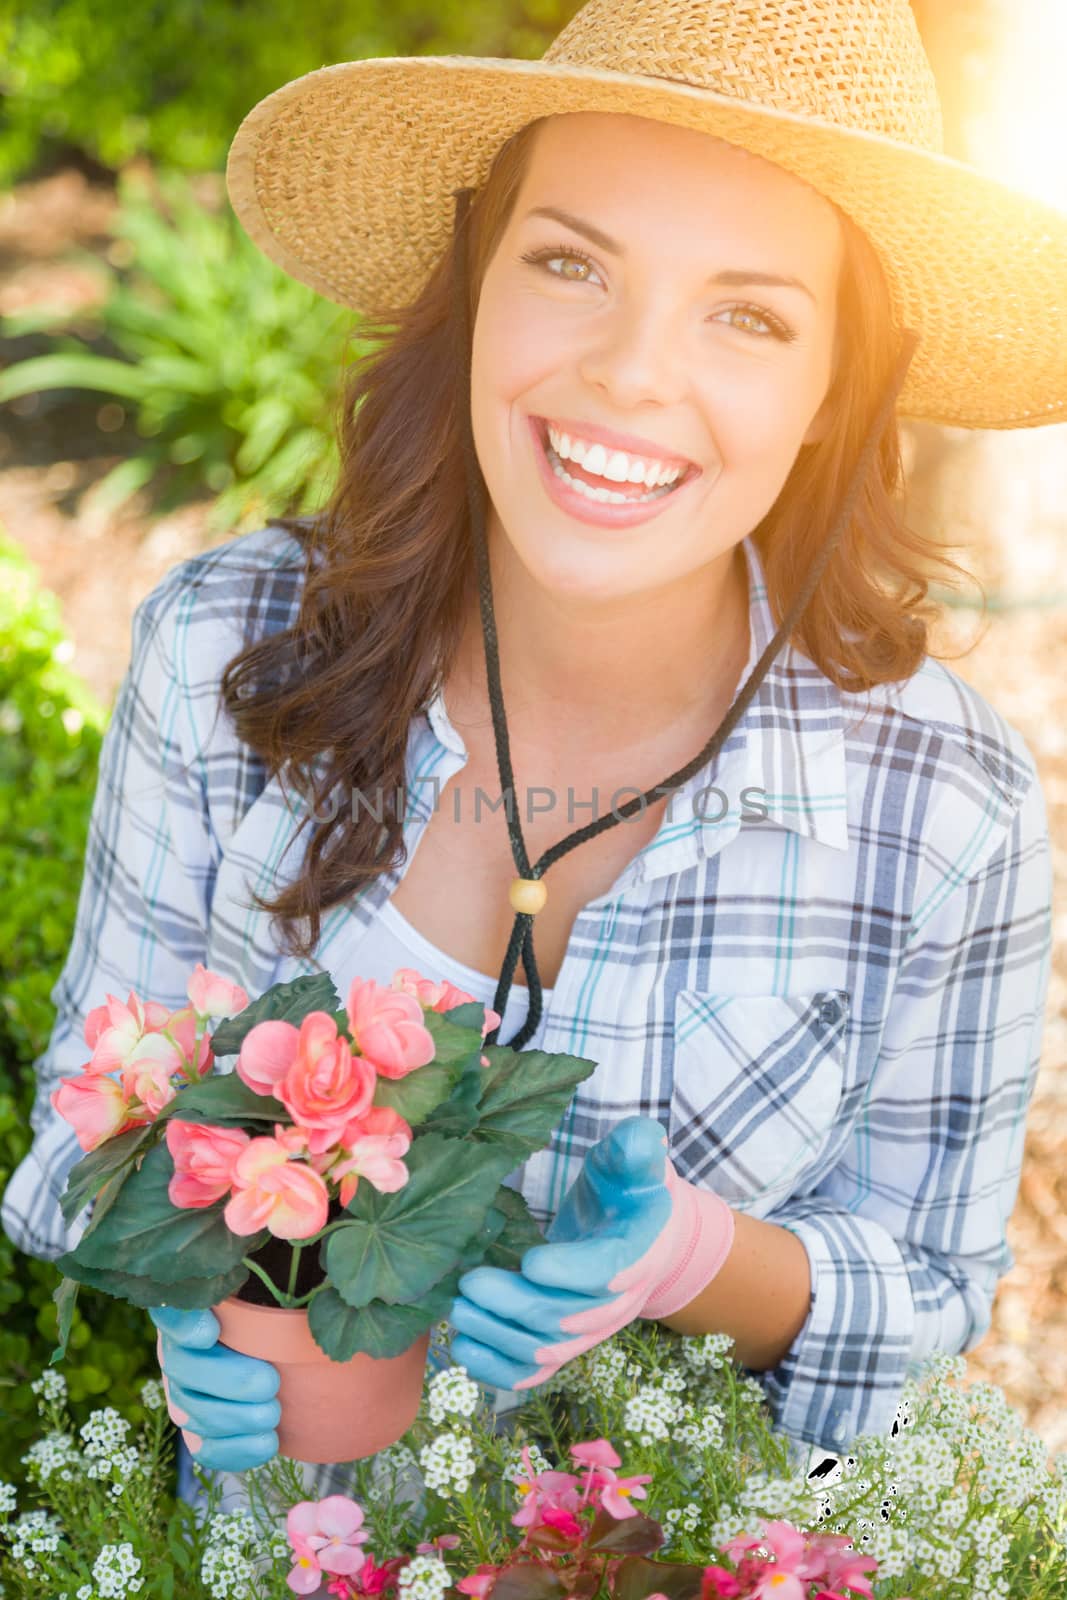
<point>48,763</point>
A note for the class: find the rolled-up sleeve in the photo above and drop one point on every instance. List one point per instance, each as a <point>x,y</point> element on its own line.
<point>906,1236</point>
<point>143,907</point>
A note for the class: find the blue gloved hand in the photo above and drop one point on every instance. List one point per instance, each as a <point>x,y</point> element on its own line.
<point>222,1401</point>
<point>631,1239</point>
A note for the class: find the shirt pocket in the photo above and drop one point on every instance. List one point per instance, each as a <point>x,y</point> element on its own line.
<point>757,1085</point>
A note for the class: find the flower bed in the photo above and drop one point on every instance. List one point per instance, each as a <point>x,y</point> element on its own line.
<point>647,1467</point>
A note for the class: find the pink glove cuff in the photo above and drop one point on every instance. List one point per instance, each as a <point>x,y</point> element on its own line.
<point>697,1240</point>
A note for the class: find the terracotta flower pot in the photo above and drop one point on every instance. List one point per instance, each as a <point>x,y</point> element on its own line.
<point>331,1410</point>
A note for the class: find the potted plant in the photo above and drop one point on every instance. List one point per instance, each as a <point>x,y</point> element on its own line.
<point>323,1194</point>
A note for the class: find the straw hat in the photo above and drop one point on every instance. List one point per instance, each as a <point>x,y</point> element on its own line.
<point>345,176</point>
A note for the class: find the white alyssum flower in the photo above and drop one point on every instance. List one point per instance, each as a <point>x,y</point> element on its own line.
<point>8,1497</point>
<point>55,1453</point>
<point>34,1533</point>
<point>152,1396</point>
<point>680,1519</point>
<point>51,1386</point>
<point>701,1429</point>
<point>226,1572</point>
<point>448,1463</point>
<point>424,1578</point>
<point>652,1413</point>
<point>598,1375</point>
<point>451,1392</point>
<point>706,1351</point>
<point>117,1571</point>
<point>104,1433</point>
<point>515,1468</point>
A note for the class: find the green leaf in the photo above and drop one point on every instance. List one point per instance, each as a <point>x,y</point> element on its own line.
<point>633,1536</point>
<point>525,1093</point>
<point>454,1042</point>
<point>469,1014</point>
<point>88,1176</point>
<point>457,1115</point>
<point>65,1298</point>
<point>377,1330</point>
<point>635,1578</point>
<point>74,371</point>
<point>282,1002</point>
<point>222,1098</point>
<point>398,1246</point>
<point>192,1294</point>
<point>520,1231</point>
<point>145,1235</point>
<point>417,1095</point>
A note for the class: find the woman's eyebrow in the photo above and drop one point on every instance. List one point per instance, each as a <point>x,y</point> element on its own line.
<point>734,276</point>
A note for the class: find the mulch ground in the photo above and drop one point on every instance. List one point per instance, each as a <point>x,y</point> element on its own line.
<point>53,448</point>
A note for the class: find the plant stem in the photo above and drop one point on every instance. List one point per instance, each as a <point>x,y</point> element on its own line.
<point>293,1266</point>
<point>253,1266</point>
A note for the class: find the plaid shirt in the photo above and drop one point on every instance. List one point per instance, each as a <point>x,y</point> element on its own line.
<point>835,1008</point>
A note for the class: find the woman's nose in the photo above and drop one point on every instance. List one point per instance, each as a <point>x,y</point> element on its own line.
<point>637,356</point>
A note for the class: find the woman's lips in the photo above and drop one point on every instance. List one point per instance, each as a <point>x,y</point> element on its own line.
<point>599,513</point>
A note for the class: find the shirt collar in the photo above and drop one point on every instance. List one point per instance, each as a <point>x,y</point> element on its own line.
<point>789,744</point>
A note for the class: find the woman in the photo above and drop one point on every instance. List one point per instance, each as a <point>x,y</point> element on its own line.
<point>693,253</point>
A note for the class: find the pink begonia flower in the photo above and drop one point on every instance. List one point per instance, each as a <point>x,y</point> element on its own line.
<point>434,1547</point>
<point>115,1033</point>
<point>95,1106</point>
<point>388,1028</point>
<point>556,1489</point>
<point>604,1484</point>
<point>214,996</point>
<point>182,1027</point>
<point>266,1054</point>
<point>324,1536</point>
<point>846,1569</point>
<point>113,1030</point>
<point>326,1086</point>
<point>371,1580</point>
<point>441,997</point>
<point>596,1453</point>
<point>564,1522</point>
<point>270,1191</point>
<point>373,1147</point>
<point>479,1582</point>
<point>204,1158</point>
<point>718,1584</point>
<point>148,1082</point>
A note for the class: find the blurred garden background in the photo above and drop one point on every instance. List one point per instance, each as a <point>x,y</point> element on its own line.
<point>162,387</point>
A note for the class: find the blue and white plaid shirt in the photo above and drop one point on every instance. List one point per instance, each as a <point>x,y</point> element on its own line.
<point>835,1009</point>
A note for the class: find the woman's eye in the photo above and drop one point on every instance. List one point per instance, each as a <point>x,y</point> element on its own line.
<point>752,314</point>
<point>575,258</point>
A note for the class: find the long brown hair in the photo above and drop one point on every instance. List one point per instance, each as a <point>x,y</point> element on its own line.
<point>390,571</point>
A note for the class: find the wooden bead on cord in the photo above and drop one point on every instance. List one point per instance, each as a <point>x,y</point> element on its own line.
<point>527,894</point>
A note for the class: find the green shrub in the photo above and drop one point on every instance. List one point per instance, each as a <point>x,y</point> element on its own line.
<point>231,367</point>
<point>50,733</point>
<point>174,81</point>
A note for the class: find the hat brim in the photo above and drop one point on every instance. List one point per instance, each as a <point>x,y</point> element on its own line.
<point>345,177</point>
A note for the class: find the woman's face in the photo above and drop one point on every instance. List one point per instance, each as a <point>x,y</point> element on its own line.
<point>620,334</point>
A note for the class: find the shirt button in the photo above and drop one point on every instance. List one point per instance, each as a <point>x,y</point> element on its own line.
<point>829,1011</point>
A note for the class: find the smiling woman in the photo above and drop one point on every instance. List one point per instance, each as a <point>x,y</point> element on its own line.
<point>627,445</point>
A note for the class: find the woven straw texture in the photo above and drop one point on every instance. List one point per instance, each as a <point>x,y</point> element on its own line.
<point>344,177</point>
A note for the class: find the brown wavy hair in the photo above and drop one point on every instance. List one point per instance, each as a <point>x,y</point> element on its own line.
<point>390,570</point>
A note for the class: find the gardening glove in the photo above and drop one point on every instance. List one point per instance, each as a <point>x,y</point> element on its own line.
<point>222,1401</point>
<point>631,1239</point>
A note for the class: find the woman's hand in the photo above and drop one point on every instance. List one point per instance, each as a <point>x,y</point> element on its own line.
<point>223,1402</point>
<point>631,1239</point>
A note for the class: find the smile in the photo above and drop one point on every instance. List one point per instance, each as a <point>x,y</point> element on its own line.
<point>606,487</point>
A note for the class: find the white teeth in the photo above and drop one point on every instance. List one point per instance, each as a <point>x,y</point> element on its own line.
<point>605,495</point>
<point>616,466</point>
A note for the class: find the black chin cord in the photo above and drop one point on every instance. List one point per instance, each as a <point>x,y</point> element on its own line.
<point>521,941</point>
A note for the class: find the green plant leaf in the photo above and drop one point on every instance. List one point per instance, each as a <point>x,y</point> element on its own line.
<point>74,371</point>
<point>65,1298</point>
<point>192,1294</point>
<point>519,1233</point>
<point>525,1093</point>
<point>417,1095</point>
<point>398,1246</point>
<point>224,1098</point>
<point>458,1114</point>
<point>633,1536</point>
<point>635,1577</point>
<point>453,1042</point>
<point>377,1329</point>
<point>143,1234</point>
<point>285,1002</point>
<point>88,1176</point>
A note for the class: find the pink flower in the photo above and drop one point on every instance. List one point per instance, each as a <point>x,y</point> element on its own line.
<point>479,1582</point>
<point>603,1482</point>
<point>182,1026</point>
<point>148,1082</point>
<point>270,1191</point>
<point>441,996</point>
<point>214,996</point>
<point>372,1147</point>
<point>113,1030</point>
<point>266,1054</point>
<point>435,1547</point>
<point>846,1569</point>
<point>326,1086</point>
<point>204,1159</point>
<point>95,1106</point>
<point>718,1584</point>
<point>558,1490</point>
<point>596,1453</point>
<point>564,1522</point>
<point>388,1028</point>
<point>325,1537</point>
